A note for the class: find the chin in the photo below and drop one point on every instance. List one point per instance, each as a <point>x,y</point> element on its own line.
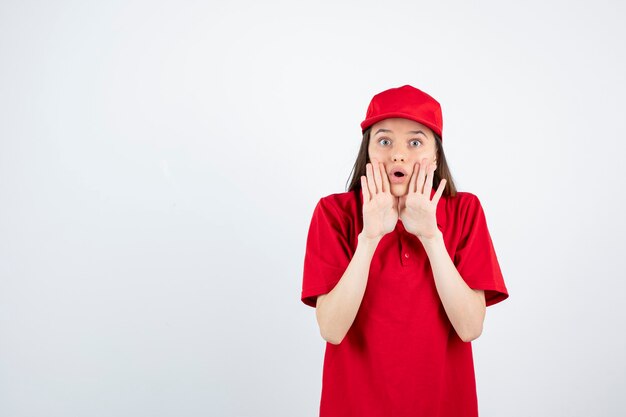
<point>398,190</point>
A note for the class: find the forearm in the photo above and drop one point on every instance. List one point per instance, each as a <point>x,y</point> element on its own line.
<point>338,310</point>
<point>463,305</point>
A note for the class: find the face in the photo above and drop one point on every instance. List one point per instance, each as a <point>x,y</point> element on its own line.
<point>400,144</point>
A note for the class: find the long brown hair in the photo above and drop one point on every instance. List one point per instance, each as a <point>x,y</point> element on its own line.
<point>442,171</point>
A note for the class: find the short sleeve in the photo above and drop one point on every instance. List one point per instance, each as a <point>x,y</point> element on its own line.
<point>475,256</point>
<point>328,251</point>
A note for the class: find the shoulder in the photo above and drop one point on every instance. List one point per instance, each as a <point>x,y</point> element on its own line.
<point>340,203</point>
<point>464,208</point>
<point>464,200</point>
<point>341,211</point>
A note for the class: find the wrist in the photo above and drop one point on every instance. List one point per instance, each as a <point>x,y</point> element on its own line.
<point>430,241</point>
<point>366,240</point>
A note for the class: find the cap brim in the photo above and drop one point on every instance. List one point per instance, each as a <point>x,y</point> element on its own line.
<point>368,122</point>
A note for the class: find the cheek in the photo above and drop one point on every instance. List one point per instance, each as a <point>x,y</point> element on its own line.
<point>418,159</point>
<point>372,153</point>
<point>429,154</point>
<point>418,156</point>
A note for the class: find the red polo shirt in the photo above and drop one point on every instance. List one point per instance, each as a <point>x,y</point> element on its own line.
<point>401,357</point>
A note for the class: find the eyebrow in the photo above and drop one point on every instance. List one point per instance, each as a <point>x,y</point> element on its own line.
<point>415,132</point>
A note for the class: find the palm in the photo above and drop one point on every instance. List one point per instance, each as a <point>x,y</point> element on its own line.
<point>381,213</point>
<point>380,207</point>
<point>416,213</point>
<point>417,210</point>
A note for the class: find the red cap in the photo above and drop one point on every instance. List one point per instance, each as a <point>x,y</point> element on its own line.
<point>407,102</point>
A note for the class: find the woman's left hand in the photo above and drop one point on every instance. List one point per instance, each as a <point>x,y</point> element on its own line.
<point>416,210</point>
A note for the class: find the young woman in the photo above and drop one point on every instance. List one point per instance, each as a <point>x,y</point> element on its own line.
<point>400,270</point>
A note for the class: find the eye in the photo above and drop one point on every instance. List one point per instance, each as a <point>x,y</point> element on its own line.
<point>418,143</point>
<point>383,139</point>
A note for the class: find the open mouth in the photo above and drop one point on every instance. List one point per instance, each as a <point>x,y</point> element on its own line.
<point>397,177</point>
<point>397,174</point>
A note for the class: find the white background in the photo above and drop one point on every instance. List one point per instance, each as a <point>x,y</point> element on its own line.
<point>160,162</point>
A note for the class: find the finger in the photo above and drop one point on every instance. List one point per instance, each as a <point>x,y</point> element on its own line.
<point>386,185</point>
<point>371,180</point>
<point>366,191</point>
<point>413,180</point>
<point>421,176</point>
<point>377,177</point>
<point>429,180</point>
<point>439,192</point>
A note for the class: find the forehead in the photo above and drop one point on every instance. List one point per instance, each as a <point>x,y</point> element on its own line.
<point>401,126</point>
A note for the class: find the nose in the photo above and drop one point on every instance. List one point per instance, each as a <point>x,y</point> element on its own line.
<point>398,157</point>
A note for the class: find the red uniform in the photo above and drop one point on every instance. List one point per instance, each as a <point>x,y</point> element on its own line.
<point>401,357</point>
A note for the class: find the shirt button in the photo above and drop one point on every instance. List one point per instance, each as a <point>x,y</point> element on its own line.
<point>406,255</point>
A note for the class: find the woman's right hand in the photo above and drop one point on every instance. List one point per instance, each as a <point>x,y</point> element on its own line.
<point>380,207</point>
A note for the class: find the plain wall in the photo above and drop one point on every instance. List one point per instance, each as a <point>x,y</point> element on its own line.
<point>160,162</point>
